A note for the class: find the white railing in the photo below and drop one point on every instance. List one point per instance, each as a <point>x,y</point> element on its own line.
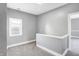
<point>58,37</point>
<point>54,36</point>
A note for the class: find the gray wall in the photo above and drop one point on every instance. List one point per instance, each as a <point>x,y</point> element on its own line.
<point>29,26</point>
<point>55,21</point>
<point>3,38</point>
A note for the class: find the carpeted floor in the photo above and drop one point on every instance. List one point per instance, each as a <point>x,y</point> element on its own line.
<point>32,50</point>
<point>27,50</point>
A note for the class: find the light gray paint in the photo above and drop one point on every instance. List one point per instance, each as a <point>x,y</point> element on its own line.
<point>75,24</point>
<point>55,22</point>
<point>52,43</point>
<point>3,38</point>
<point>29,27</point>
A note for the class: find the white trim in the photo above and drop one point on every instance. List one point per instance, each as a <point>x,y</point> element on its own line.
<point>13,45</point>
<point>65,52</point>
<point>69,31</point>
<point>49,51</point>
<point>59,37</point>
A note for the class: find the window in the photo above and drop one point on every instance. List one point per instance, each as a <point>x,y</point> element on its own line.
<point>15,27</point>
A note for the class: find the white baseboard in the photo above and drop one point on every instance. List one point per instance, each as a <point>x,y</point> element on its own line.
<point>13,45</point>
<point>65,52</point>
<point>49,51</point>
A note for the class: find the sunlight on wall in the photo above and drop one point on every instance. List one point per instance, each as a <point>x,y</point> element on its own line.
<point>55,26</point>
<point>48,29</point>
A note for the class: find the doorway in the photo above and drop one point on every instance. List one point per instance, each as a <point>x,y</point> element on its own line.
<point>73,27</point>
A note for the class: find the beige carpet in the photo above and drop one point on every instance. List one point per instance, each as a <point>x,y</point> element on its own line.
<point>27,50</point>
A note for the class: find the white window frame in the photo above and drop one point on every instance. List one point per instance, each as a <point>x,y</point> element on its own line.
<point>15,23</point>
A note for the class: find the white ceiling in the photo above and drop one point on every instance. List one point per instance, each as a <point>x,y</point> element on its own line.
<point>34,8</point>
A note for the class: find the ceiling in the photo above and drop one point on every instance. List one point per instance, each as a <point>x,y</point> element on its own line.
<point>34,8</point>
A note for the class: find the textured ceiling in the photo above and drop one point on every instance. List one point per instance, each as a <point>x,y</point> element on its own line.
<point>34,8</point>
